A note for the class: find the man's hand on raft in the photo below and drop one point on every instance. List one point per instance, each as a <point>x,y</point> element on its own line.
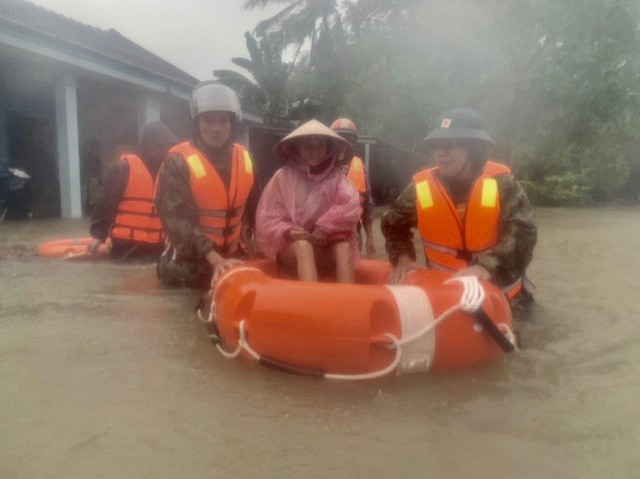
<point>402,267</point>
<point>220,264</point>
<point>476,270</point>
<point>92,247</point>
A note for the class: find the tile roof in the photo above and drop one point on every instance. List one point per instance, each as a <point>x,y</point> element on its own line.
<point>104,42</point>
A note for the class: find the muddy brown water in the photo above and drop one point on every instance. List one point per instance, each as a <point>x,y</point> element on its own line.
<point>105,374</point>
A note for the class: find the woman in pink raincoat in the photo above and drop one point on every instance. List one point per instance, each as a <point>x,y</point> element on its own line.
<point>309,210</point>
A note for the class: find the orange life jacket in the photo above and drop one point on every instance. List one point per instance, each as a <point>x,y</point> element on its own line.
<point>356,176</point>
<point>220,209</point>
<point>137,219</point>
<point>453,241</point>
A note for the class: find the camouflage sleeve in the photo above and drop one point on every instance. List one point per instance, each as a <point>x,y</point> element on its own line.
<point>517,231</point>
<point>177,210</point>
<point>367,209</point>
<point>397,224</point>
<point>105,212</point>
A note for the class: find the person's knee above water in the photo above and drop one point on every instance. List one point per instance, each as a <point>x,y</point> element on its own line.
<point>472,215</point>
<point>126,213</point>
<point>357,175</point>
<point>308,211</point>
<point>206,192</point>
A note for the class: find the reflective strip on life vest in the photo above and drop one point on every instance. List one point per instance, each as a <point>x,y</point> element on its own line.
<point>425,200</point>
<point>489,192</point>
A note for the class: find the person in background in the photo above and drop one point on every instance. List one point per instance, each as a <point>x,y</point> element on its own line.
<point>308,211</point>
<point>126,213</point>
<point>206,193</point>
<point>472,215</point>
<point>357,175</point>
<point>91,175</point>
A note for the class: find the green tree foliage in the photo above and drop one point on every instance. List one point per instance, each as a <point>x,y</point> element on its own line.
<point>320,69</point>
<point>558,81</point>
<point>265,89</point>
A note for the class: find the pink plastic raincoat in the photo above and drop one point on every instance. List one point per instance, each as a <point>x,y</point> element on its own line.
<point>294,197</point>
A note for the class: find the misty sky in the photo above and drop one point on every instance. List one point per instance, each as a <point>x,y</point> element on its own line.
<point>197,36</point>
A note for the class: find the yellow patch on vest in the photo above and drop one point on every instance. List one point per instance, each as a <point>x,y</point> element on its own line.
<point>489,192</point>
<point>424,195</point>
<point>196,166</point>
<point>248,165</point>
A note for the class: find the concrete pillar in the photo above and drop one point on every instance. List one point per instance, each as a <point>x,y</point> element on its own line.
<point>68,150</point>
<point>148,112</point>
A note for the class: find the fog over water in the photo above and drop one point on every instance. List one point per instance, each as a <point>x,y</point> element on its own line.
<point>106,374</point>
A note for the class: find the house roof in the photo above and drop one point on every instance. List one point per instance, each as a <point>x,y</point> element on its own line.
<point>109,43</point>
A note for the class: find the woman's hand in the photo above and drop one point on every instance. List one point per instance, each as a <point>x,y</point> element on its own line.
<point>399,272</point>
<point>297,233</point>
<point>318,237</point>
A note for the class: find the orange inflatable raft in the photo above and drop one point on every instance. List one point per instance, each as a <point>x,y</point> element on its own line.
<point>431,323</point>
<point>72,248</point>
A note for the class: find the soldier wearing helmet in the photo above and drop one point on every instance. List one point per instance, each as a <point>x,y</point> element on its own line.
<point>125,214</point>
<point>206,193</point>
<point>357,175</point>
<point>472,215</point>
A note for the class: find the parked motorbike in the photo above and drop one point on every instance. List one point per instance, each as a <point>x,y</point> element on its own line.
<point>12,183</point>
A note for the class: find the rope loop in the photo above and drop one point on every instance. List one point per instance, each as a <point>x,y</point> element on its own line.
<point>473,294</point>
<point>377,374</point>
<point>207,297</point>
<point>242,344</point>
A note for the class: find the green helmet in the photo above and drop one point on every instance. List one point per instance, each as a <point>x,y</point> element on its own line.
<point>459,124</point>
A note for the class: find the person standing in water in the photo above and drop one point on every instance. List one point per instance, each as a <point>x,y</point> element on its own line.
<point>357,175</point>
<point>206,193</point>
<point>472,215</point>
<point>126,213</point>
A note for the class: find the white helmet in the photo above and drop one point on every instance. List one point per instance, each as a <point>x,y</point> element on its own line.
<point>213,96</point>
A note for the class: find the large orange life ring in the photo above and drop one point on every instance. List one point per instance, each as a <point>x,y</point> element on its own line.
<point>72,248</point>
<point>363,330</point>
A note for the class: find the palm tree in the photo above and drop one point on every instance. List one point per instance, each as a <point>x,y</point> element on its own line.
<point>318,21</point>
<point>265,90</point>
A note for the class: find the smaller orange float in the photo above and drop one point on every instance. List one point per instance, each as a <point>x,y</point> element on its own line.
<point>434,322</point>
<point>72,249</point>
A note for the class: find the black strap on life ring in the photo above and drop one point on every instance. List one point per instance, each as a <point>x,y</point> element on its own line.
<point>493,331</point>
<point>287,368</point>
<point>214,333</point>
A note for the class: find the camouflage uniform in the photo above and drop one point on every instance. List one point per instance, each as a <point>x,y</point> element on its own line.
<point>507,260</point>
<point>183,263</point>
<point>366,220</point>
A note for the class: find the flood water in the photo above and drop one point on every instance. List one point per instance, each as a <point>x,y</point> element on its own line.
<point>104,374</point>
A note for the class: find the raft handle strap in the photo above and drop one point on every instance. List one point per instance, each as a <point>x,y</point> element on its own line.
<point>471,302</point>
<point>494,332</point>
<point>210,321</point>
<point>287,368</point>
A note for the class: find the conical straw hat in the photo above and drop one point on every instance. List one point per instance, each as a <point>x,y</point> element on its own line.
<point>311,128</point>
